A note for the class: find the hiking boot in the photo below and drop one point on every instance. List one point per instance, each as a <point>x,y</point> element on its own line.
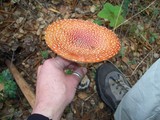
<point>111,85</point>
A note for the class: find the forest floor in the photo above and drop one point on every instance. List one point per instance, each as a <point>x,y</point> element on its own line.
<point>22,25</point>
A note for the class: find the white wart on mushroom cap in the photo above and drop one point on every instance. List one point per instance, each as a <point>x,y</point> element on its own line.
<point>81,41</point>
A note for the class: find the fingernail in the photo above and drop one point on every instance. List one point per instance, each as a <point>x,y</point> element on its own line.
<point>84,70</point>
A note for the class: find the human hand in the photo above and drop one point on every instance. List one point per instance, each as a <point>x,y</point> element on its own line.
<point>55,90</point>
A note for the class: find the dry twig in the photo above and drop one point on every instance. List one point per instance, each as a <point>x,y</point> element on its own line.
<point>136,14</point>
<point>140,63</point>
<point>25,88</point>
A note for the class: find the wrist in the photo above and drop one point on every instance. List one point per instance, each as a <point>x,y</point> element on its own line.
<point>43,110</point>
<point>36,116</point>
<point>48,111</point>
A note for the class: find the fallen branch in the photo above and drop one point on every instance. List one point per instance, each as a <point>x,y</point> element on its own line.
<point>25,88</point>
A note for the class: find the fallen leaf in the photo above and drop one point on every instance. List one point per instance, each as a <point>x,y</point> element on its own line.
<point>101,105</point>
<point>125,60</point>
<point>82,95</point>
<point>1,87</point>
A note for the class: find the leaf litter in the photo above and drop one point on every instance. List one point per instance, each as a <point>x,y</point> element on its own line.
<point>22,25</point>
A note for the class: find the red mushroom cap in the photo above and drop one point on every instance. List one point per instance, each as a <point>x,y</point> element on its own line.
<point>81,41</point>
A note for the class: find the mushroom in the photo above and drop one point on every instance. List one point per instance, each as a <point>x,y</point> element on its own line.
<point>81,41</point>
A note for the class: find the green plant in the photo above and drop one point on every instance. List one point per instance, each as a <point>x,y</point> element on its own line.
<point>10,87</point>
<point>98,21</point>
<point>156,12</point>
<point>146,34</point>
<point>153,37</point>
<point>45,54</point>
<point>112,13</point>
<point>122,51</point>
<point>132,62</point>
<point>68,71</point>
<point>125,7</point>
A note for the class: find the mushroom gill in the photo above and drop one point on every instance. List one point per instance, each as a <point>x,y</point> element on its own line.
<point>81,41</point>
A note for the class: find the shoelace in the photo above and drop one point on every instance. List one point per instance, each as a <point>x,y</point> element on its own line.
<point>120,83</point>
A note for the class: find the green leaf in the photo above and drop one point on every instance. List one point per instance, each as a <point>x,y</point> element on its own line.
<point>106,11</point>
<point>7,75</point>
<point>68,71</point>
<point>112,14</point>
<point>10,88</point>
<point>125,7</point>
<point>153,37</point>
<point>156,12</point>
<point>45,54</point>
<point>151,40</point>
<point>115,22</point>
<point>122,50</point>
<point>98,21</point>
<point>1,78</point>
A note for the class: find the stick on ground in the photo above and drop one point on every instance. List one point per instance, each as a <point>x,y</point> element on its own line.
<point>25,88</point>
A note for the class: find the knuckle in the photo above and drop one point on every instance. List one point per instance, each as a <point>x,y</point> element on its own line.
<point>47,62</point>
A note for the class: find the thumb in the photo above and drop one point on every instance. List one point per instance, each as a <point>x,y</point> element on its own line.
<point>77,76</point>
<point>39,69</point>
